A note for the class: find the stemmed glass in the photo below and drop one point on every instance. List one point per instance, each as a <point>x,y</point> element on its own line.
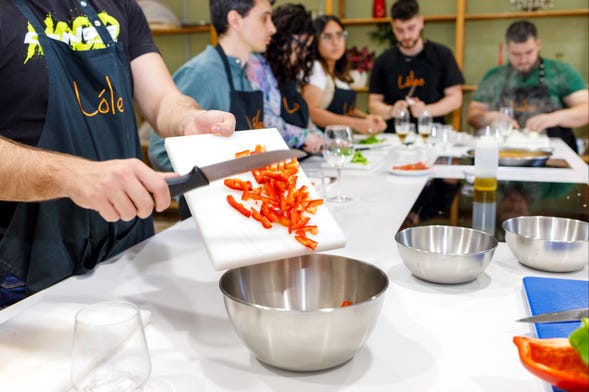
<point>338,151</point>
<point>109,350</point>
<point>505,122</point>
<point>424,125</point>
<point>402,127</point>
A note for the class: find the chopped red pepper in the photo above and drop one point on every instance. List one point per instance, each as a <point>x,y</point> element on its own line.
<point>554,361</point>
<point>238,206</point>
<point>412,166</point>
<point>346,303</point>
<point>277,199</point>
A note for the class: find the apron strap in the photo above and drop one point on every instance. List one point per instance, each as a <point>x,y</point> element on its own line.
<point>226,64</point>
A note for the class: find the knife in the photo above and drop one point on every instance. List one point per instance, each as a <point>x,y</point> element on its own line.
<point>564,315</point>
<point>201,176</point>
<point>408,98</point>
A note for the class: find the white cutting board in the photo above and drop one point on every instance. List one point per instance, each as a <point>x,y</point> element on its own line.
<point>231,239</point>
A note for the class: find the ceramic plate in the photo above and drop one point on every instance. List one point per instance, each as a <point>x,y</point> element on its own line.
<point>410,173</point>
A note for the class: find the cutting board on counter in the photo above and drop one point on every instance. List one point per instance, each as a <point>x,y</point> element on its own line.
<point>231,239</point>
<point>547,295</point>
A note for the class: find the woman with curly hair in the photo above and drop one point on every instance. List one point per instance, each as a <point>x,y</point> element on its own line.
<point>330,98</point>
<point>281,71</point>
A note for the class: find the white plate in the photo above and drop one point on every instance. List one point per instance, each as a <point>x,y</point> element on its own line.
<point>231,239</point>
<point>410,173</point>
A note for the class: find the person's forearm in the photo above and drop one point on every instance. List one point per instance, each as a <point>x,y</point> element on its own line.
<point>445,105</point>
<point>173,108</point>
<point>323,118</point>
<point>576,116</point>
<point>31,174</point>
<point>478,118</point>
<point>381,109</point>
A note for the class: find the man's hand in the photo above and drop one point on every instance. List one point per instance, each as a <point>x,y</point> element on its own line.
<point>542,121</point>
<point>117,189</point>
<point>208,121</point>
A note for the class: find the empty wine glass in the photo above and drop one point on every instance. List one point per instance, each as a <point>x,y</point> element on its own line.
<point>402,122</point>
<point>109,350</point>
<point>424,125</point>
<point>505,122</point>
<point>338,151</point>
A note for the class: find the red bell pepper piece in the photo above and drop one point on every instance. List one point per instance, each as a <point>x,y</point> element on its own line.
<point>238,206</point>
<point>554,361</point>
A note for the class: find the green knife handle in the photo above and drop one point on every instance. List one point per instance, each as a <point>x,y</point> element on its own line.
<point>184,183</point>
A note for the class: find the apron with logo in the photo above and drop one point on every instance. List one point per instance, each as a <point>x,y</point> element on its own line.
<point>422,73</point>
<point>294,109</point>
<point>89,114</point>
<point>343,102</point>
<point>246,106</point>
<point>530,101</point>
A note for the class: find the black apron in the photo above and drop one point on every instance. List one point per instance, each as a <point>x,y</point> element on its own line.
<point>294,109</point>
<point>89,114</point>
<point>530,101</point>
<point>418,71</point>
<point>343,102</point>
<point>246,106</point>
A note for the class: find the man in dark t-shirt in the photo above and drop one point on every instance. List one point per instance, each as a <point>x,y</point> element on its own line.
<point>73,192</point>
<point>423,69</point>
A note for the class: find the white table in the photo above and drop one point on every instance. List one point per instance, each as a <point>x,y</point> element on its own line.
<point>428,337</point>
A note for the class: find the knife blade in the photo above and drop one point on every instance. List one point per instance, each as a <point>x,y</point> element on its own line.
<point>201,176</point>
<point>408,98</point>
<point>554,317</point>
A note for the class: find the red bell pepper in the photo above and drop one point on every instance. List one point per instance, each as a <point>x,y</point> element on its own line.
<point>554,361</point>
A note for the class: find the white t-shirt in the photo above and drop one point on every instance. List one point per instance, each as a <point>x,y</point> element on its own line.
<point>321,80</point>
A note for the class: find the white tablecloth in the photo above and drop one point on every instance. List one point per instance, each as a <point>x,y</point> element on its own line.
<point>428,337</point>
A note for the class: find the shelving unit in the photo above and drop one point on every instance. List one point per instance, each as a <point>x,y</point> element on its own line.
<point>459,19</point>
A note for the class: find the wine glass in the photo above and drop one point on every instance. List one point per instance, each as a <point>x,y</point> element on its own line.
<point>505,122</point>
<point>402,122</point>
<point>338,151</point>
<point>109,350</point>
<point>424,125</point>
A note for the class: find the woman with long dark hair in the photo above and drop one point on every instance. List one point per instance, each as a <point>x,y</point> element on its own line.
<point>330,98</point>
<point>280,73</point>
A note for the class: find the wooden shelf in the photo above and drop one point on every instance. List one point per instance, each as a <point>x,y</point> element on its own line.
<point>526,15</point>
<point>372,21</point>
<point>176,30</point>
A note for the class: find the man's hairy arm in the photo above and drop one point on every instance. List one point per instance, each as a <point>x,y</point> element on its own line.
<point>117,189</point>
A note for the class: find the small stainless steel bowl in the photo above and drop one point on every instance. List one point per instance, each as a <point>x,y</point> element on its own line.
<point>289,312</point>
<point>445,254</point>
<point>548,243</point>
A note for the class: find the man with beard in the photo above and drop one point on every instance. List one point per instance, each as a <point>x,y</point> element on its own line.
<point>416,74</point>
<point>545,94</point>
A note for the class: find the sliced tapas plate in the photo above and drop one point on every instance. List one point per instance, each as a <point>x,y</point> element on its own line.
<point>411,172</point>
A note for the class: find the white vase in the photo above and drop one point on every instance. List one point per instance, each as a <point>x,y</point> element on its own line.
<point>360,78</point>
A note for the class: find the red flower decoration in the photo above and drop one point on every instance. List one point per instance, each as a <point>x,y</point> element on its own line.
<point>360,60</point>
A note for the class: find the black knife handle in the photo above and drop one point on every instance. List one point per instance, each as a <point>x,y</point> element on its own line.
<point>184,183</point>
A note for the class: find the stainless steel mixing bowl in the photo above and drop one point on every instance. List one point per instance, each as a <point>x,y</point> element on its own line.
<point>289,312</point>
<point>548,243</point>
<point>445,254</point>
